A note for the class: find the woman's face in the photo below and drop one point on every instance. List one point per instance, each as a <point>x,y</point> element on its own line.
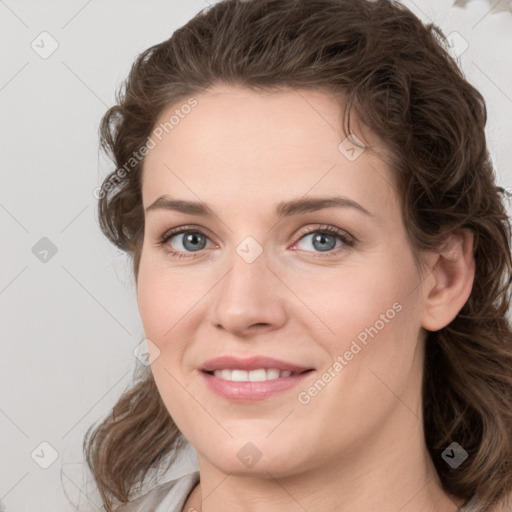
<point>257,276</point>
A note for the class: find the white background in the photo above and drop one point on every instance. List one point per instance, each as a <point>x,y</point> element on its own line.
<point>69,326</point>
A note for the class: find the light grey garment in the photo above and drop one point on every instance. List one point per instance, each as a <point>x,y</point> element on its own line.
<point>163,498</point>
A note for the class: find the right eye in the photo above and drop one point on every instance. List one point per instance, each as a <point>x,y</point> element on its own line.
<point>184,240</point>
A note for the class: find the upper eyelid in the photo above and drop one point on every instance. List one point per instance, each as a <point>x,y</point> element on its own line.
<point>184,229</point>
<point>305,230</point>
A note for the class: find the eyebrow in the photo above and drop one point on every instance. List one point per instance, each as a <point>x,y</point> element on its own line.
<point>283,209</point>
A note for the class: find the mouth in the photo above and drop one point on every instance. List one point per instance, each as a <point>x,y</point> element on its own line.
<point>241,379</point>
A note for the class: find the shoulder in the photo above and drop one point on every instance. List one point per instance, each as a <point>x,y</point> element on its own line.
<point>167,497</point>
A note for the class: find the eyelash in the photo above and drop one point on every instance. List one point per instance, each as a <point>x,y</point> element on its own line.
<point>324,229</point>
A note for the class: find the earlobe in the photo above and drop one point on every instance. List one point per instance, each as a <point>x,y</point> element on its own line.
<point>453,272</point>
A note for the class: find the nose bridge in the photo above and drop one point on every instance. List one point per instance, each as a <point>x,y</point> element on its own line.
<point>252,260</point>
<point>247,279</point>
<point>249,293</point>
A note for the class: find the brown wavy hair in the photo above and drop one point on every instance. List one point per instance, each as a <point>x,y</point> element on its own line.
<point>397,75</point>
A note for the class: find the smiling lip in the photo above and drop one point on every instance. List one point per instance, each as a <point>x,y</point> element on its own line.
<point>251,391</point>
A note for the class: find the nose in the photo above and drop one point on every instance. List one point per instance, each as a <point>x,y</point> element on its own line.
<point>249,299</point>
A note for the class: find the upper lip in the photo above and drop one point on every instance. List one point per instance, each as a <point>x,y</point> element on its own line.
<point>250,363</point>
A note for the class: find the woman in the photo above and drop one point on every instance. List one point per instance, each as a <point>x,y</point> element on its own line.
<point>322,261</point>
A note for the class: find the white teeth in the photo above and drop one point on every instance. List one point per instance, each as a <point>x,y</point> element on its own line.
<point>239,375</point>
<point>273,374</point>
<point>259,375</point>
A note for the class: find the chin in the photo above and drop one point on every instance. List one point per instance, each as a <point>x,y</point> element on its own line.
<point>255,455</point>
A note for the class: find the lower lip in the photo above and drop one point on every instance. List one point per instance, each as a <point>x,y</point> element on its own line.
<point>252,391</point>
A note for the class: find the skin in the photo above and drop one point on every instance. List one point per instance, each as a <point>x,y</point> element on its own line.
<point>358,444</point>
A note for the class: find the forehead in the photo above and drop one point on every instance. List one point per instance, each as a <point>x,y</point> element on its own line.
<point>250,146</point>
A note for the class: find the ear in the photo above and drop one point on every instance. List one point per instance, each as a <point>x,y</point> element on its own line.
<point>451,280</point>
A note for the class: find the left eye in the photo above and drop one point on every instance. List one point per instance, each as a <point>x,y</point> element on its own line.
<point>323,241</point>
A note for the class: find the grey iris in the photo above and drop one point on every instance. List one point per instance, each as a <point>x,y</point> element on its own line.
<point>192,239</point>
<point>321,239</point>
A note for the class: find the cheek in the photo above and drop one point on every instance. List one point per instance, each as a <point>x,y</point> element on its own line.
<point>152,300</point>
<point>166,297</point>
<point>162,305</point>
<point>371,306</point>
<point>352,298</point>
<point>171,309</point>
